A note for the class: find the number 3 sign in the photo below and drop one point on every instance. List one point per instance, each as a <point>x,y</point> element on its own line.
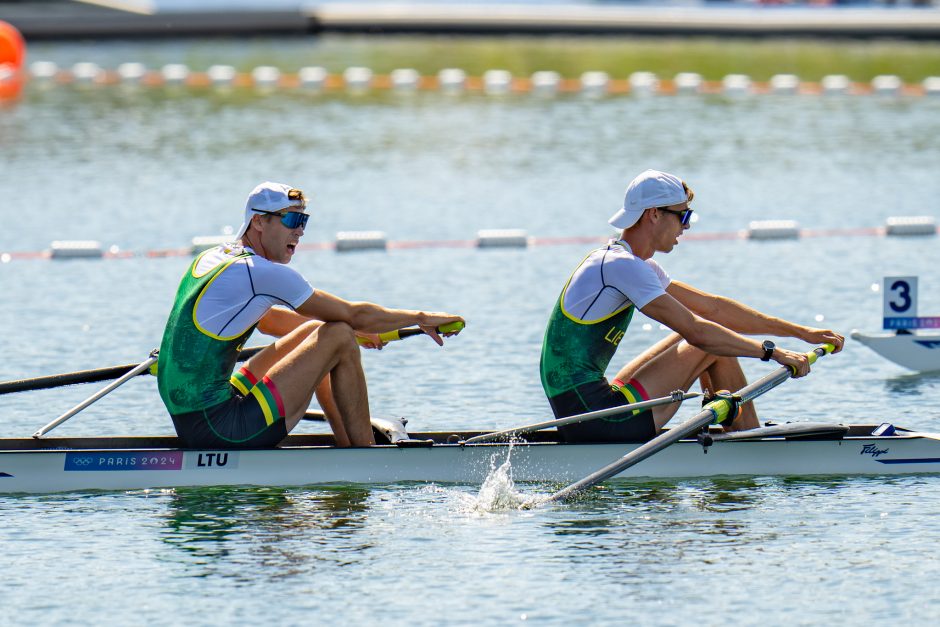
<point>900,305</point>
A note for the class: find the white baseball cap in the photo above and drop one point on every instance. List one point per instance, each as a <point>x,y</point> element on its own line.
<point>269,197</point>
<point>650,189</point>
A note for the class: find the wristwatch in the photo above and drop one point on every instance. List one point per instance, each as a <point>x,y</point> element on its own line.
<point>768,347</point>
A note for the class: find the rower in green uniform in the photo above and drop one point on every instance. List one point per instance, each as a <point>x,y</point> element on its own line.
<point>231,289</point>
<point>595,307</point>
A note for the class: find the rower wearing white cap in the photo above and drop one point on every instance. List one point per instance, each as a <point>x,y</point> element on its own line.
<point>231,289</point>
<point>596,305</point>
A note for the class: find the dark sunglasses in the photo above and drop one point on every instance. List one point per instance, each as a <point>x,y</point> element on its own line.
<point>685,216</point>
<point>290,219</point>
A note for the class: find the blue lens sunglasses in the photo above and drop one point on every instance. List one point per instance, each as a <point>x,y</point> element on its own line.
<point>685,216</point>
<point>290,219</point>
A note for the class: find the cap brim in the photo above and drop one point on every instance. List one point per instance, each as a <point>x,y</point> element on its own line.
<point>242,230</point>
<point>624,218</point>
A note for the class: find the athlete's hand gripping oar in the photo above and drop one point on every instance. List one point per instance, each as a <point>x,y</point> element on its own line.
<point>716,411</point>
<point>450,328</point>
<point>676,397</point>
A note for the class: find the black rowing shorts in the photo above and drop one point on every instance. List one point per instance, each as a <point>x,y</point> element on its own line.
<point>636,426</point>
<point>252,418</point>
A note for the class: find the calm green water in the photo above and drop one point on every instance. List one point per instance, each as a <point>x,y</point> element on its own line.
<point>151,169</point>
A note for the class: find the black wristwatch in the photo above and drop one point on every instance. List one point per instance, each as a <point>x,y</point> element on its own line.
<point>768,347</point>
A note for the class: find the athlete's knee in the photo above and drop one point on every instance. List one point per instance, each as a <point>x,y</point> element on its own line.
<point>310,327</point>
<point>339,334</point>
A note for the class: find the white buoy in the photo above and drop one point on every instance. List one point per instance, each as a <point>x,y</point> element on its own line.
<point>43,70</point>
<point>643,83</point>
<point>910,225</point>
<point>595,84</point>
<point>405,80</point>
<point>221,75</point>
<point>86,73</point>
<point>688,83</point>
<point>360,240</point>
<point>835,84</point>
<point>785,84</point>
<point>266,77</point>
<point>76,249</point>
<point>736,85</point>
<point>131,73</point>
<point>773,229</point>
<point>357,79</point>
<point>451,80</point>
<point>175,73</point>
<point>497,82</point>
<point>546,83</point>
<point>202,243</point>
<point>886,85</point>
<point>502,238</point>
<point>312,78</point>
<point>931,86</point>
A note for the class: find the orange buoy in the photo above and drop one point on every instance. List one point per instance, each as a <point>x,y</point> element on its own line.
<point>12,55</point>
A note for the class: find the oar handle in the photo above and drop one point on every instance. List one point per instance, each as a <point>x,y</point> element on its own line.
<point>400,334</point>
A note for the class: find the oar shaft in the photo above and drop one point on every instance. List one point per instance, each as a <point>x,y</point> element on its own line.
<point>712,411</point>
<point>69,378</point>
<point>675,397</point>
<point>142,367</point>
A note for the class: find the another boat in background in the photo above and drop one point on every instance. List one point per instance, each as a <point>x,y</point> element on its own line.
<point>906,339</point>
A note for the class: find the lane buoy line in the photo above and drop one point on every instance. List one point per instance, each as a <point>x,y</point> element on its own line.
<point>766,230</point>
<point>453,80</point>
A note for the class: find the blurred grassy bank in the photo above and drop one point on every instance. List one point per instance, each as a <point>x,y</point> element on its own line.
<point>810,59</point>
<point>712,58</point>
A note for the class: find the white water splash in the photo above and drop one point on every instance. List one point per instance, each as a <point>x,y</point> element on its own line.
<point>498,492</point>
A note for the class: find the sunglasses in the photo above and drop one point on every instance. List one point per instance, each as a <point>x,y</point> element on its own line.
<point>685,216</point>
<point>290,219</point>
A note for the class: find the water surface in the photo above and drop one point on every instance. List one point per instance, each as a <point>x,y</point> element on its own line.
<point>148,170</point>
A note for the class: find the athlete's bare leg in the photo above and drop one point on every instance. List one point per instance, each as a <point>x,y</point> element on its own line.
<point>673,364</point>
<point>300,360</point>
<point>331,411</point>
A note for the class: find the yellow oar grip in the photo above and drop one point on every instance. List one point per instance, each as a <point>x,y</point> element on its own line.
<point>451,327</point>
<point>398,334</point>
<point>813,355</point>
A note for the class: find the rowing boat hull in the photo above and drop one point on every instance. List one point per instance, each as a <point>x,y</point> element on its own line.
<point>25,468</point>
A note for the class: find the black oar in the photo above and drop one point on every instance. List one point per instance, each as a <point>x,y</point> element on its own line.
<point>92,376</point>
<point>113,372</point>
<point>715,411</point>
<point>145,366</point>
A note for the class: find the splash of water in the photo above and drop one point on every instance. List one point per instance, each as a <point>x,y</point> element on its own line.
<point>498,492</point>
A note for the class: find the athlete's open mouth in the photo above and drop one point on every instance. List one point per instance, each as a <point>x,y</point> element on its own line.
<point>292,248</point>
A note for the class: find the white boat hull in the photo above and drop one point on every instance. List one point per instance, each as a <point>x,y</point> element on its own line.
<point>97,467</point>
<point>916,351</point>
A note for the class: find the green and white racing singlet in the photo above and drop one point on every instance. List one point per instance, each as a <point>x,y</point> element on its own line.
<point>592,314</point>
<point>219,302</point>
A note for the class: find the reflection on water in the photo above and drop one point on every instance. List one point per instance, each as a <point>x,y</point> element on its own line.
<point>282,532</point>
<point>913,384</point>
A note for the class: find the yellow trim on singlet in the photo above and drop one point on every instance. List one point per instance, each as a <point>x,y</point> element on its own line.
<point>203,293</point>
<point>192,271</point>
<point>561,301</point>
